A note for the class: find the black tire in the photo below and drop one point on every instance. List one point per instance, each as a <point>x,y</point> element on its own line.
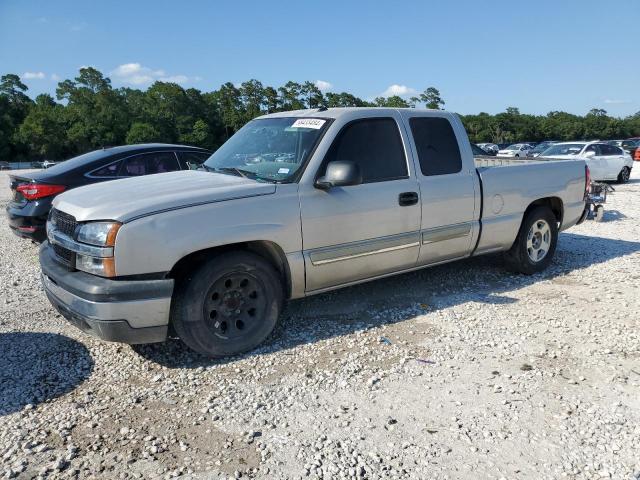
<point>519,257</point>
<point>229,305</point>
<point>623,176</point>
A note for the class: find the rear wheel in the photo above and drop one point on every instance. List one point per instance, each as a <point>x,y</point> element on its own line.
<point>535,244</point>
<point>229,305</point>
<point>623,176</point>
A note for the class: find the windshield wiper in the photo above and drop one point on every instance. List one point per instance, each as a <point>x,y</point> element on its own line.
<point>238,172</point>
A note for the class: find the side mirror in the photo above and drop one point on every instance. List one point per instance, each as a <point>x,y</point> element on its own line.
<point>590,154</point>
<point>340,174</point>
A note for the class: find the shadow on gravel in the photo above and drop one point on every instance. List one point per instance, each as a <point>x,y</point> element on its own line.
<point>395,299</point>
<point>35,367</point>
<point>613,216</point>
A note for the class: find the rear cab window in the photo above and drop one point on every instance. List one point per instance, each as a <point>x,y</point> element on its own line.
<point>436,145</point>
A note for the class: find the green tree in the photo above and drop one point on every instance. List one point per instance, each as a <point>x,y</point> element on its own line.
<point>431,98</point>
<point>14,108</point>
<point>143,133</point>
<point>44,130</point>
<point>290,95</point>
<point>394,101</point>
<point>97,115</point>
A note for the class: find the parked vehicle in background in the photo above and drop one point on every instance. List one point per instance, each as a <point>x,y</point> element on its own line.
<point>48,163</point>
<point>630,145</point>
<point>33,192</point>
<point>294,204</point>
<point>517,150</point>
<point>605,162</point>
<point>540,147</point>
<point>479,152</point>
<point>5,166</point>
<point>615,143</point>
<point>490,148</point>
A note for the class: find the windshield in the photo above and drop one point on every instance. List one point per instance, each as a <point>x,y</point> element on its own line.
<point>564,149</point>
<point>513,147</point>
<point>268,149</point>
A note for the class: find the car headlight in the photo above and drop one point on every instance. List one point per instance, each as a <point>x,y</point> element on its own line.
<point>101,234</point>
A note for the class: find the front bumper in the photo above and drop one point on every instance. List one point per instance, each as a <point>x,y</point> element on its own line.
<point>126,311</point>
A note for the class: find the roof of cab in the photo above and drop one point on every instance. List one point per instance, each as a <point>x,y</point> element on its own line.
<point>339,111</point>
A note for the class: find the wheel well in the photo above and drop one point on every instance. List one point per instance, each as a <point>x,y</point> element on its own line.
<point>554,204</point>
<point>270,251</point>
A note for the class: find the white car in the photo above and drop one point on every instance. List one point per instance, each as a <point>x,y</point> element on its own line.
<point>491,148</point>
<point>605,162</point>
<point>517,150</point>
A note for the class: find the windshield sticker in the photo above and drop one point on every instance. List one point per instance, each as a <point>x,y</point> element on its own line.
<point>314,123</point>
<point>283,170</point>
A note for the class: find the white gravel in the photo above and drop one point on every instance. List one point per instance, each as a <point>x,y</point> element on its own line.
<point>460,371</point>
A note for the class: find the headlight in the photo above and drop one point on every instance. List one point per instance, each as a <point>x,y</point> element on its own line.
<point>104,267</point>
<point>101,234</point>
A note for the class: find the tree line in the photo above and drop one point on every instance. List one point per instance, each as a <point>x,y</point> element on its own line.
<point>89,113</point>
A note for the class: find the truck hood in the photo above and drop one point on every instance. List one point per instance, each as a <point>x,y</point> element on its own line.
<point>130,198</point>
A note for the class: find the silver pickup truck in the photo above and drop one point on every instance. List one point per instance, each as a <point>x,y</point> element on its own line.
<point>294,204</point>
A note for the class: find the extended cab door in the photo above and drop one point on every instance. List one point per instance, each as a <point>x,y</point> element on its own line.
<point>449,186</point>
<point>361,231</point>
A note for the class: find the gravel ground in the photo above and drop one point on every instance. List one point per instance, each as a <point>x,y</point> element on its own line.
<point>460,371</point>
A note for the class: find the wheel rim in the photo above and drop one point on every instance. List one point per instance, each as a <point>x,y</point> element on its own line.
<point>625,174</point>
<point>235,305</point>
<point>538,240</point>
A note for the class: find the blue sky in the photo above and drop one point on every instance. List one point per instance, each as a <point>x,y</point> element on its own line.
<point>483,55</point>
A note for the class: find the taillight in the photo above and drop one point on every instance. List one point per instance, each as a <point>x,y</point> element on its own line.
<point>587,181</point>
<point>636,155</point>
<point>34,191</point>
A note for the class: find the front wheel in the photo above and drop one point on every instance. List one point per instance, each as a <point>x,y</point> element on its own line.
<point>229,305</point>
<point>535,244</point>
<point>623,176</point>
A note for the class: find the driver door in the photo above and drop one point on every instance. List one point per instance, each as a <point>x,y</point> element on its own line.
<point>361,231</point>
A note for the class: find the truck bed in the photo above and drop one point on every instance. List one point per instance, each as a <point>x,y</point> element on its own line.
<point>508,185</point>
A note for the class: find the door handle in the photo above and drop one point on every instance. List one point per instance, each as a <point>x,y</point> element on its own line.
<point>406,199</point>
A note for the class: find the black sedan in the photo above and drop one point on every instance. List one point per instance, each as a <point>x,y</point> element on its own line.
<point>33,192</point>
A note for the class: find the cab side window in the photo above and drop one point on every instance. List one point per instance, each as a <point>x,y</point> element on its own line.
<point>437,145</point>
<point>375,145</point>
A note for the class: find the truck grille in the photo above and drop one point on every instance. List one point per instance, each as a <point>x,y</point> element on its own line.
<point>66,224</point>
<point>63,222</point>
<point>65,256</point>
